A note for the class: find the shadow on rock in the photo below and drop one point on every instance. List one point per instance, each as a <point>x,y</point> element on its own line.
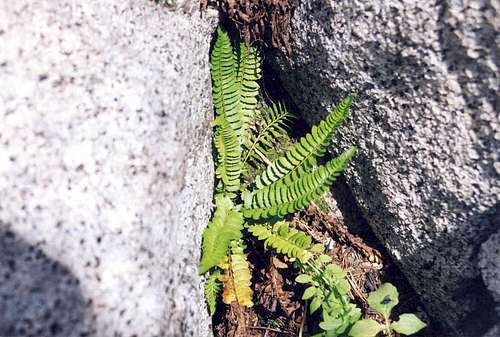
<point>38,296</point>
<point>444,267</point>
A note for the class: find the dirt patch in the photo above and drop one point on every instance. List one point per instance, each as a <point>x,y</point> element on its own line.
<point>265,22</point>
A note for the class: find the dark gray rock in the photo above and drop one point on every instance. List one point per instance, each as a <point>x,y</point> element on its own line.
<point>425,76</point>
<point>105,168</point>
<point>489,263</point>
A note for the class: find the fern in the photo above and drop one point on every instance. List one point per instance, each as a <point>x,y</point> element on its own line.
<point>224,85</point>
<point>225,226</point>
<point>292,243</point>
<point>274,122</point>
<point>302,157</point>
<point>213,287</point>
<point>280,199</point>
<point>237,278</point>
<point>288,183</point>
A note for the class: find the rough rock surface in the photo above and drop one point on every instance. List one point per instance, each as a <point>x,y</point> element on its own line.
<point>105,168</point>
<point>425,76</point>
<point>489,263</point>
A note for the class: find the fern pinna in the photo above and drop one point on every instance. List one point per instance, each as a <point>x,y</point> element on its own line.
<point>244,131</point>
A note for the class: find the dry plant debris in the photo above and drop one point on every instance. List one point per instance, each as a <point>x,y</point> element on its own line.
<point>263,21</point>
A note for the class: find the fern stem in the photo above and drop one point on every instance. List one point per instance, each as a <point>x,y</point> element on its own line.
<point>262,156</point>
<point>302,324</point>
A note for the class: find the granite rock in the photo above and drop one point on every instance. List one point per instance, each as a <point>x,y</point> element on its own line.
<point>105,168</point>
<point>489,263</point>
<point>426,121</point>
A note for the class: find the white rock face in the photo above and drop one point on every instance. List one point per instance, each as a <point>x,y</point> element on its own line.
<point>426,121</point>
<point>105,168</point>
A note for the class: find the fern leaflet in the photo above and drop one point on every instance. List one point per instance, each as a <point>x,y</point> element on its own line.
<point>302,156</point>
<point>280,199</point>
<point>225,226</point>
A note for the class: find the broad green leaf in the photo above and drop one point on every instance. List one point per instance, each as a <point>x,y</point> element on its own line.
<point>365,328</point>
<point>304,278</point>
<point>384,299</point>
<point>408,324</point>
<point>309,292</point>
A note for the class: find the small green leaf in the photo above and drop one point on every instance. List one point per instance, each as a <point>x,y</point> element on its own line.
<point>331,325</point>
<point>317,248</point>
<point>365,328</point>
<point>315,304</point>
<point>408,324</point>
<point>309,292</point>
<point>303,278</point>
<point>324,258</point>
<point>384,299</point>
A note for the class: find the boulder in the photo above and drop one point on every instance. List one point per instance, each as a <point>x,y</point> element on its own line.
<point>425,119</point>
<point>106,168</point>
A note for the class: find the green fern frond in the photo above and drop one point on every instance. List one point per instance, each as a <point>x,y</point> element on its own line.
<point>224,84</point>
<point>249,72</point>
<point>280,199</point>
<point>237,277</point>
<point>225,226</point>
<point>274,122</point>
<point>228,156</point>
<point>289,242</point>
<point>213,287</point>
<point>303,155</point>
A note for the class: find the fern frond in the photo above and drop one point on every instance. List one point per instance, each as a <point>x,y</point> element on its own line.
<point>224,84</point>
<point>280,199</point>
<point>303,155</point>
<point>228,156</point>
<point>213,287</point>
<point>225,226</point>
<point>289,242</point>
<point>249,72</point>
<point>237,278</point>
<point>274,122</point>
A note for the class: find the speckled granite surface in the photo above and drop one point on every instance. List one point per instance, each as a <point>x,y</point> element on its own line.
<point>105,168</point>
<point>426,120</point>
